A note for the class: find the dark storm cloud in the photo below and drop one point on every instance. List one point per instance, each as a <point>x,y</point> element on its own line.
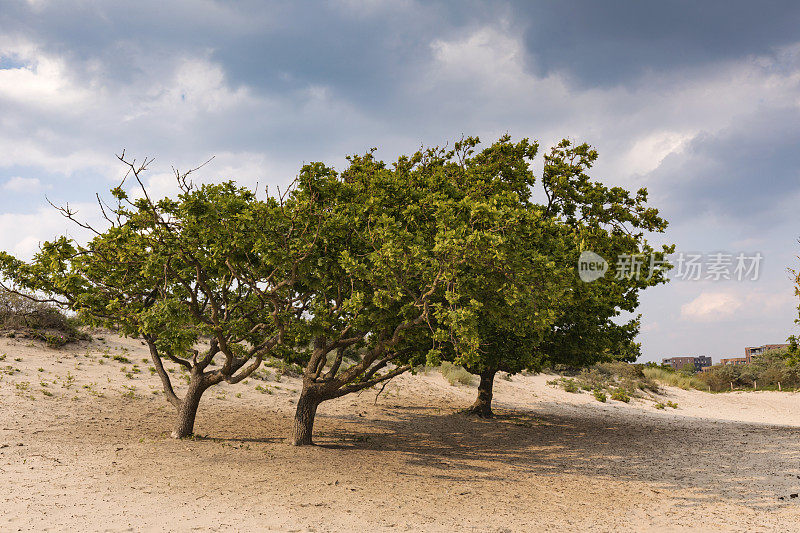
<point>746,173</point>
<point>360,51</point>
<point>364,50</point>
<point>613,42</point>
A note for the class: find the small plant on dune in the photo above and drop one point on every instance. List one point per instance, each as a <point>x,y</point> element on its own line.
<point>263,375</point>
<point>283,368</point>
<point>568,384</point>
<point>659,405</point>
<point>455,374</point>
<point>620,395</point>
<point>599,395</point>
<point>672,404</point>
<point>10,370</point>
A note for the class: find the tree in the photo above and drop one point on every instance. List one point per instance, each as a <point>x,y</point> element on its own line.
<point>793,352</point>
<point>554,317</point>
<point>394,245</point>
<point>215,265</point>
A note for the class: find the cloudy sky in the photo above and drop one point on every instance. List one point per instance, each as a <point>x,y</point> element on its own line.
<point>697,101</point>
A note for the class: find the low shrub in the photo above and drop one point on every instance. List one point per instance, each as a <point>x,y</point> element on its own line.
<point>674,379</point>
<point>599,395</point>
<point>620,395</point>
<point>455,374</point>
<point>770,370</point>
<point>568,384</point>
<point>283,368</point>
<point>607,377</point>
<point>37,320</point>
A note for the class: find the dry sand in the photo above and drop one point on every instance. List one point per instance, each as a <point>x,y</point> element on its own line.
<point>93,453</point>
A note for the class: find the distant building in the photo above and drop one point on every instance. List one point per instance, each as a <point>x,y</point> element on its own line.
<point>753,351</point>
<point>677,363</point>
<point>733,361</point>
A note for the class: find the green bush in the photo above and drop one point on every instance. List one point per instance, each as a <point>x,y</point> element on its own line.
<point>455,374</point>
<point>621,395</point>
<point>284,368</point>
<point>599,395</point>
<point>568,384</point>
<point>767,370</point>
<point>674,379</point>
<point>37,320</point>
<point>606,377</point>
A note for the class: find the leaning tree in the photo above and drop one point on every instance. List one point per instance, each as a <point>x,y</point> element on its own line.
<point>209,280</point>
<point>393,246</point>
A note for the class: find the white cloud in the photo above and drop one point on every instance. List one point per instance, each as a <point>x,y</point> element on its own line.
<point>196,86</point>
<point>20,184</point>
<point>42,82</point>
<point>649,151</point>
<point>489,57</point>
<point>42,225</point>
<point>711,307</point>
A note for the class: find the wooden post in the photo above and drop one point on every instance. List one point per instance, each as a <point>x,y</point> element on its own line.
<point>731,386</point>
<point>779,386</point>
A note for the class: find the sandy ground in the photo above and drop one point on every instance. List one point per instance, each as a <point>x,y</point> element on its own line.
<point>85,447</point>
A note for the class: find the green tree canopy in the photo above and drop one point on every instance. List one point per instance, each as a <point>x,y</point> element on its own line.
<point>213,266</point>
<point>534,309</point>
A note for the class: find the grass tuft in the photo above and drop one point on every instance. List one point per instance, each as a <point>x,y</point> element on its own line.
<point>674,379</point>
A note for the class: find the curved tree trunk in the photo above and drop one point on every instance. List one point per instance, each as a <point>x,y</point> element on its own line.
<point>184,425</point>
<point>303,427</point>
<point>483,404</point>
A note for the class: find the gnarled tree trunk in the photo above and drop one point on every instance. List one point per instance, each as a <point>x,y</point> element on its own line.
<point>483,404</point>
<point>303,426</point>
<point>184,425</point>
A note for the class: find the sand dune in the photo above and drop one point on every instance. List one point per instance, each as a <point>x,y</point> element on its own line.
<point>83,447</point>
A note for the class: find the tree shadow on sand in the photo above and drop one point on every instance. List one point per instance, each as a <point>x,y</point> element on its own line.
<point>750,464</point>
